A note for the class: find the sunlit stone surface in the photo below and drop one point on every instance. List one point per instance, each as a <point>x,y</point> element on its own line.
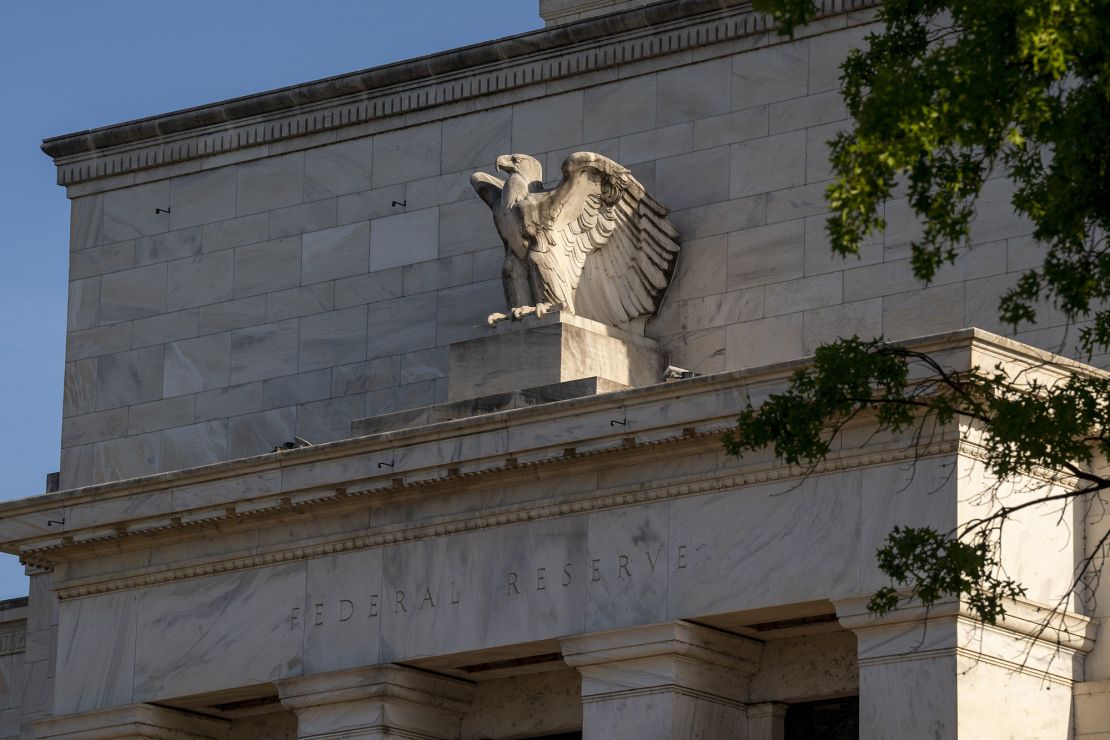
<point>308,491</point>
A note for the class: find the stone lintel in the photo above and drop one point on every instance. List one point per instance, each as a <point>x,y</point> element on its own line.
<point>552,349</point>
<point>134,721</point>
<point>375,702</point>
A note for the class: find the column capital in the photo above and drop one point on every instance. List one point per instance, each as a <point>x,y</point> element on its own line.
<point>681,639</point>
<point>649,682</point>
<point>135,721</point>
<point>369,701</point>
<point>1023,619</point>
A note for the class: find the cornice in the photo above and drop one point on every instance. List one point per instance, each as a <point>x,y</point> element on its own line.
<point>396,90</point>
<point>969,340</point>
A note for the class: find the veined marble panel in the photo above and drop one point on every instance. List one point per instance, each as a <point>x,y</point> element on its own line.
<point>217,632</point>
<point>342,612</point>
<point>921,493</point>
<point>1039,544</point>
<point>448,450</point>
<point>495,587</point>
<point>1032,707</point>
<point>96,652</point>
<point>915,704</point>
<point>629,555</point>
<point>764,545</point>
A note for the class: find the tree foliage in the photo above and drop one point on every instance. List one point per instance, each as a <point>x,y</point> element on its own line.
<point>946,95</point>
<point>952,92</point>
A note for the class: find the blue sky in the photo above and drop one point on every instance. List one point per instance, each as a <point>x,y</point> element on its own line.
<point>69,66</point>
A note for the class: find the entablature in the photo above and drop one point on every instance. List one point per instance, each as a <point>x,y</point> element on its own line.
<point>528,447</point>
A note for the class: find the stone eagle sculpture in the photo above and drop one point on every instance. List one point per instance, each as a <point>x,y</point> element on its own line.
<point>596,245</point>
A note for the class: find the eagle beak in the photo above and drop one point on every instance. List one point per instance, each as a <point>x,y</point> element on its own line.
<point>504,163</point>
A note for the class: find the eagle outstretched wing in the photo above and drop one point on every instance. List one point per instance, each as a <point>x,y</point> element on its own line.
<point>603,247</point>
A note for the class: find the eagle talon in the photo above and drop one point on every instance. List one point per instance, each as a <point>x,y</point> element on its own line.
<point>543,308</point>
<point>493,318</point>
<point>519,312</point>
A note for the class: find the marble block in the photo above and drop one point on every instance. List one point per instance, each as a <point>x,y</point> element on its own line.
<point>554,348</point>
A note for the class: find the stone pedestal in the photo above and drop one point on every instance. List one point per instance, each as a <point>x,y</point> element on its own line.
<point>553,349</point>
<point>135,722</point>
<point>674,680</point>
<point>376,703</point>
<point>930,673</point>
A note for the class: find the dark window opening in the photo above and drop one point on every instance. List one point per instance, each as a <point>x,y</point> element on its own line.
<point>834,719</point>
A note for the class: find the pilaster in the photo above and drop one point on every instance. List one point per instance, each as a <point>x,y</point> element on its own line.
<point>928,673</point>
<point>1092,710</point>
<point>378,702</point>
<point>674,680</point>
<point>135,722</point>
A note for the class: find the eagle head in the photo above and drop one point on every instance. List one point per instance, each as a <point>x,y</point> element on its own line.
<point>521,164</point>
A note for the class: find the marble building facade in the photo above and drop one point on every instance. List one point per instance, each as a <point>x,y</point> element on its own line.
<point>313,262</point>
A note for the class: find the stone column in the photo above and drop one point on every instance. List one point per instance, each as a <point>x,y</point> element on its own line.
<point>134,722</point>
<point>37,688</point>
<point>939,672</point>
<point>767,721</point>
<point>387,701</point>
<point>675,680</point>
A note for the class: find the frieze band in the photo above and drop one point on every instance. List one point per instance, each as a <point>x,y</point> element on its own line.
<point>515,583</point>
